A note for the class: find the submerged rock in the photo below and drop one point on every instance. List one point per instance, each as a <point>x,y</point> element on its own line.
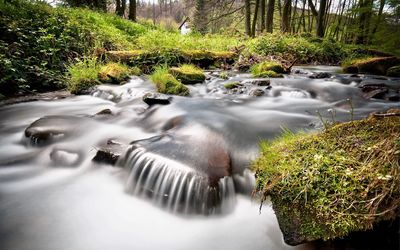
<point>320,75</point>
<point>156,98</point>
<point>257,92</point>
<point>110,152</point>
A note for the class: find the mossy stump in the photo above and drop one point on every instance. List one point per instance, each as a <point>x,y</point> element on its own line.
<point>329,184</point>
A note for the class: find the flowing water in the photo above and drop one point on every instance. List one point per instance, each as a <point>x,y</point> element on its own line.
<point>182,180</point>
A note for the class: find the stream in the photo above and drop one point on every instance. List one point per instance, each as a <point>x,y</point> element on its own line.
<point>182,178</point>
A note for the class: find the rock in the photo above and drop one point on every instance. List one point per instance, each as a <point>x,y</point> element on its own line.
<point>259,82</point>
<point>105,112</point>
<point>156,98</point>
<point>188,74</point>
<point>61,157</point>
<point>376,65</point>
<point>370,86</point>
<point>320,75</point>
<point>377,93</point>
<point>394,71</point>
<point>233,85</point>
<point>257,92</point>
<point>394,97</point>
<point>109,153</point>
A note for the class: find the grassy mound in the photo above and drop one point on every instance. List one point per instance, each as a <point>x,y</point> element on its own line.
<point>267,69</point>
<point>83,75</point>
<point>329,184</point>
<point>188,74</point>
<point>167,84</point>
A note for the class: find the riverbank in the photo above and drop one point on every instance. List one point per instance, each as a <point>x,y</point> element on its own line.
<point>37,56</point>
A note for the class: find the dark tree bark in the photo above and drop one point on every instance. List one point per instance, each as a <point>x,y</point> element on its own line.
<point>120,7</point>
<point>320,19</point>
<point>200,17</point>
<point>132,10</point>
<point>285,25</point>
<point>270,15</point>
<point>262,27</point>
<point>247,18</point>
<point>253,26</point>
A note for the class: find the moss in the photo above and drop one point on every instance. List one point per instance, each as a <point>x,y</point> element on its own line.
<point>188,74</point>
<point>115,72</point>
<point>232,85</point>
<point>328,184</point>
<point>83,75</point>
<point>124,56</point>
<point>224,75</point>
<point>167,84</point>
<point>371,65</point>
<point>394,71</point>
<point>267,69</point>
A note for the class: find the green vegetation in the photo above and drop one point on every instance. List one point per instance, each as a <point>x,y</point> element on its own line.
<point>232,85</point>
<point>167,84</point>
<point>224,75</point>
<point>188,74</point>
<point>83,75</point>
<point>116,72</point>
<point>328,184</point>
<point>267,69</point>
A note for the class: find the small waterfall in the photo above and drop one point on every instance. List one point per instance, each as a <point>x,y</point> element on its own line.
<point>175,186</point>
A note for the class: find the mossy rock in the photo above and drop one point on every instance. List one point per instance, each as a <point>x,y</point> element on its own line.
<point>394,71</point>
<point>232,85</point>
<point>116,72</point>
<point>267,69</point>
<point>374,65</point>
<point>166,83</point>
<point>329,184</point>
<point>188,74</point>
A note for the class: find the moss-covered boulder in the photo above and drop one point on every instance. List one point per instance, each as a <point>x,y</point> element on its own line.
<point>166,83</point>
<point>329,184</point>
<point>232,85</point>
<point>267,69</point>
<point>188,74</point>
<point>370,65</point>
<point>394,71</point>
<point>116,72</point>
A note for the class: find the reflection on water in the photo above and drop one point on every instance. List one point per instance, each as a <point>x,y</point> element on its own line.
<point>52,196</point>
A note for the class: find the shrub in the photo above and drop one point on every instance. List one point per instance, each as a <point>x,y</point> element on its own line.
<point>167,83</point>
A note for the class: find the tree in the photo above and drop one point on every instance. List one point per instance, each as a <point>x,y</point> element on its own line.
<point>321,18</point>
<point>253,27</point>
<point>270,15</point>
<point>285,24</point>
<point>120,6</point>
<point>132,10</point>
<point>262,27</point>
<point>247,18</point>
<point>200,17</point>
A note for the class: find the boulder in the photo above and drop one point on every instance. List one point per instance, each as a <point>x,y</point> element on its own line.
<point>156,98</point>
<point>257,92</point>
<point>376,65</point>
<point>109,153</point>
<point>320,75</point>
<point>394,71</point>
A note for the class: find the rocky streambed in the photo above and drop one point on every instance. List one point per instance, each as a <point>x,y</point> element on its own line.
<point>125,167</point>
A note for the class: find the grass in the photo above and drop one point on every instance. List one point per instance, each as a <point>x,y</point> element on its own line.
<point>83,75</point>
<point>328,184</point>
<point>267,69</point>
<point>188,74</point>
<point>166,83</point>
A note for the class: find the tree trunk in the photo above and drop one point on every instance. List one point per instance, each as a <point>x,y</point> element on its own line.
<point>378,20</point>
<point>247,18</point>
<point>132,10</point>
<point>262,15</point>
<point>285,26</point>
<point>320,19</point>
<point>253,27</point>
<point>200,17</point>
<point>270,15</point>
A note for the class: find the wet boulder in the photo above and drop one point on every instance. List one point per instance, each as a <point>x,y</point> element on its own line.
<point>394,71</point>
<point>257,92</point>
<point>109,153</point>
<point>156,98</point>
<point>320,75</point>
<point>375,65</point>
<point>258,82</point>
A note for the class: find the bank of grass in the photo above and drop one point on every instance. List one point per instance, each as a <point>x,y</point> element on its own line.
<point>113,72</point>
<point>328,184</point>
<point>166,83</point>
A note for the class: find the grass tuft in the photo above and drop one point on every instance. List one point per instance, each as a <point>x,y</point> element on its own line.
<point>166,83</point>
<point>83,75</point>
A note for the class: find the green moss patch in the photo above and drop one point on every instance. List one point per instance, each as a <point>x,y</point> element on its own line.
<point>328,184</point>
<point>370,65</point>
<point>267,69</point>
<point>167,84</point>
<point>116,72</point>
<point>232,85</point>
<point>188,74</point>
